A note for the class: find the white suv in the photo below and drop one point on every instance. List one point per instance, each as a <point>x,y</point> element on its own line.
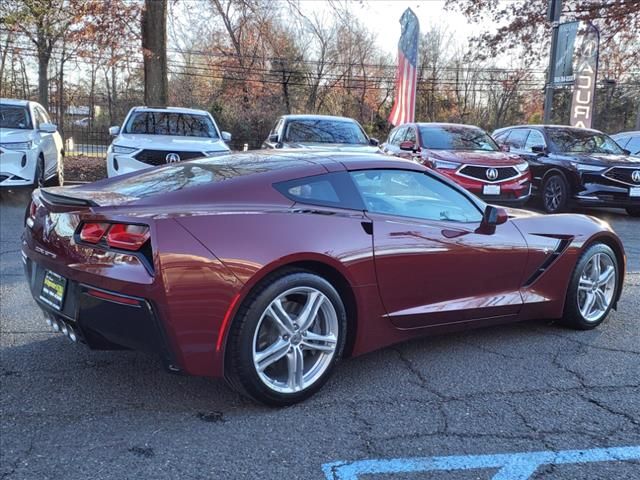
<point>31,149</point>
<point>155,136</point>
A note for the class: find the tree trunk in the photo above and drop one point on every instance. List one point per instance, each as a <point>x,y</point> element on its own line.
<point>638,117</point>
<point>43,78</point>
<point>154,49</point>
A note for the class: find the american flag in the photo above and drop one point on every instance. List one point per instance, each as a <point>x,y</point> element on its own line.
<point>404,108</point>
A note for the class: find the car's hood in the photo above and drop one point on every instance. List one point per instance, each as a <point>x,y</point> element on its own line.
<point>171,142</point>
<point>475,157</point>
<point>602,159</point>
<point>334,147</point>
<point>14,135</point>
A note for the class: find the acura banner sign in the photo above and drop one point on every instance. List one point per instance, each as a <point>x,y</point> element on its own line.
<point>563,68</point>
<point>585,71</point>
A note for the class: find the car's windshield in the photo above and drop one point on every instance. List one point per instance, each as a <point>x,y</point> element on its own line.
<point>324,131</point>
<point>569,140</point>
<point>15,116</point>
<point>171,123</point>
<point>456,137</point>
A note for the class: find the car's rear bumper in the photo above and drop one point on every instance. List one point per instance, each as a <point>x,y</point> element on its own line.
<point>103,319</point>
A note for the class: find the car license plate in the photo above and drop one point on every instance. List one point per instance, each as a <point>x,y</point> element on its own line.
<point>53,289</point>
<point>491,189</point>
<point>634,192</point>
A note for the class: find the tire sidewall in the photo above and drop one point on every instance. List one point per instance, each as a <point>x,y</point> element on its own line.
<point>572,315</point>
<point>38,175</point>
<point>240,346</point>
<point>565,192</point>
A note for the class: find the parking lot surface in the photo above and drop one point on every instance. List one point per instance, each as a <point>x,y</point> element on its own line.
<point>70,413</point>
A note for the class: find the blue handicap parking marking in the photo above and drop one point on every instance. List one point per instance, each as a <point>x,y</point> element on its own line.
<point>511,466</point>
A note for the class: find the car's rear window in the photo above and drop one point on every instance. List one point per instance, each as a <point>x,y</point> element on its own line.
<point>193,173</point>
<point>171,123</point>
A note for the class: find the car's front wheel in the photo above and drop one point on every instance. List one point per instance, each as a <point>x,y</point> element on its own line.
<point>286,338</point>
<point>555,193</point>
<point>633,211</point>
<point>593,288</point>
<point>38,177</point>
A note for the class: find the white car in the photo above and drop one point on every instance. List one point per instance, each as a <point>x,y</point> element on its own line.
<point>155,136</point>
<point>31,149</point>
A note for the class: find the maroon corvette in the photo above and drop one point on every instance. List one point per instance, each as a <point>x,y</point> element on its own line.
<point>266,268</point>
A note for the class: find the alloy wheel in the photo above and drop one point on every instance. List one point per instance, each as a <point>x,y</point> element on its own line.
<point>596,287</point>
<point>553,194</point>
<point>295,340</point>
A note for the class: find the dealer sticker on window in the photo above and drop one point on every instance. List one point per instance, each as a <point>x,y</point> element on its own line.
<point>53,288</point>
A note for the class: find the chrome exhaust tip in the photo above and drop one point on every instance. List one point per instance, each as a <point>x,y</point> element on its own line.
<point>49,321</point>
<point>71,335</point>
<point>55,325</point>
<point>65,329</point>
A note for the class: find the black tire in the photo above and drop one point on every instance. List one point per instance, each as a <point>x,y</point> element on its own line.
<point>633,211</point>
<point>555,194</point>
<point>572,316</point>
<point>38,177</point>
<point>240,371</point>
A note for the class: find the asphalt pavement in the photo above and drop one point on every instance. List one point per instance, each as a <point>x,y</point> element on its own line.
<point>446,407</point>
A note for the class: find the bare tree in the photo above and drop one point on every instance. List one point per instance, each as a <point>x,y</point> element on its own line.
<point>154,49</point>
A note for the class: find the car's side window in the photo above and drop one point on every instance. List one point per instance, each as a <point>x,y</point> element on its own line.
<point>501,137</point>
<point>634,145</point>
<point>535,139</point>
<point>38,117</point>
<point>411,135</point>
<point>44,115</point>
<point>330,189</point>
<point>413,194</point>
<point>398,138</point>
<point>392,134</point>
<point>517,138</point>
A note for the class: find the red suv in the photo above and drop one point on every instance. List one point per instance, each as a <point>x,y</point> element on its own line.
<point>467,155</point>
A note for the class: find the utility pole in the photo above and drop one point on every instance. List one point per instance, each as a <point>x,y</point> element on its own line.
<point>553,15</point>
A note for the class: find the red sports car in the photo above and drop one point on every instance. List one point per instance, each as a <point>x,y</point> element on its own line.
<point>467,155</point>
<point>267,268</point>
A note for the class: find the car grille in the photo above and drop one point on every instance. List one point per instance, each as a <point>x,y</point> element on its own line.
<point>480,173</point>
<point>159,157</point>
<point>624,175</point>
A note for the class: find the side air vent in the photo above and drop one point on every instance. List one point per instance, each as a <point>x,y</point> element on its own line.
<point>550,260</point>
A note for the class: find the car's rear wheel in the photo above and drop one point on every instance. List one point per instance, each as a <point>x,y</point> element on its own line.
<point>633,211</point>
<point>593,288</point>
<point>555,194</point>
<point>286,339</point>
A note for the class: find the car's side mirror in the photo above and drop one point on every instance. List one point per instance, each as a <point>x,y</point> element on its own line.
<point>626,152</point>
<point>374,142</point>
<point>492,217</point>
<point>114,131</point>
<point>539,149</point>
<point>48,128</point>
<point>226,137</point>
<point>408,146</point>
<point>505,148</point>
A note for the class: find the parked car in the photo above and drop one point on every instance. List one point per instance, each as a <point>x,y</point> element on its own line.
<point>320,132</point>
<point>576,166</point>
<point>31,149</point>
<point>630,141</point>
<point>266,268</point>
<point>82,122</point>
<point>155,136</point>
<point>467,155</point>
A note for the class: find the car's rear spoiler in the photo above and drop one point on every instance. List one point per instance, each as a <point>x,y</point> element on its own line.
<point>84,197</point>
<point>65,201</point>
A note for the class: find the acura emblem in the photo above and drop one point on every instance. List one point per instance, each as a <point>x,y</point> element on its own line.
<point>635,176</point>
<point>172,158</point>
<point>492,173</point>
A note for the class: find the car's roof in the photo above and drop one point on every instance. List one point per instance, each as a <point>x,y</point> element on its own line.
<point>443,124</point>
<point>317,117</point>
<point>169,109</point>
<point>550,127</point>
<point>15,101</point>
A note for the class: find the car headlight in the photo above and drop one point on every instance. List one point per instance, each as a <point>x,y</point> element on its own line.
<point>585,167</point>
<point>443,164</point>
<point>121,149</point>
<point>216,153</point>
<point>17,145</point>
<point>522,167</point>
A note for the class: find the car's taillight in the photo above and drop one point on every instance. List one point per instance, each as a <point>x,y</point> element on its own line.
<point>93,232</point>
<point>32,210</point>
<point>127,237</point>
